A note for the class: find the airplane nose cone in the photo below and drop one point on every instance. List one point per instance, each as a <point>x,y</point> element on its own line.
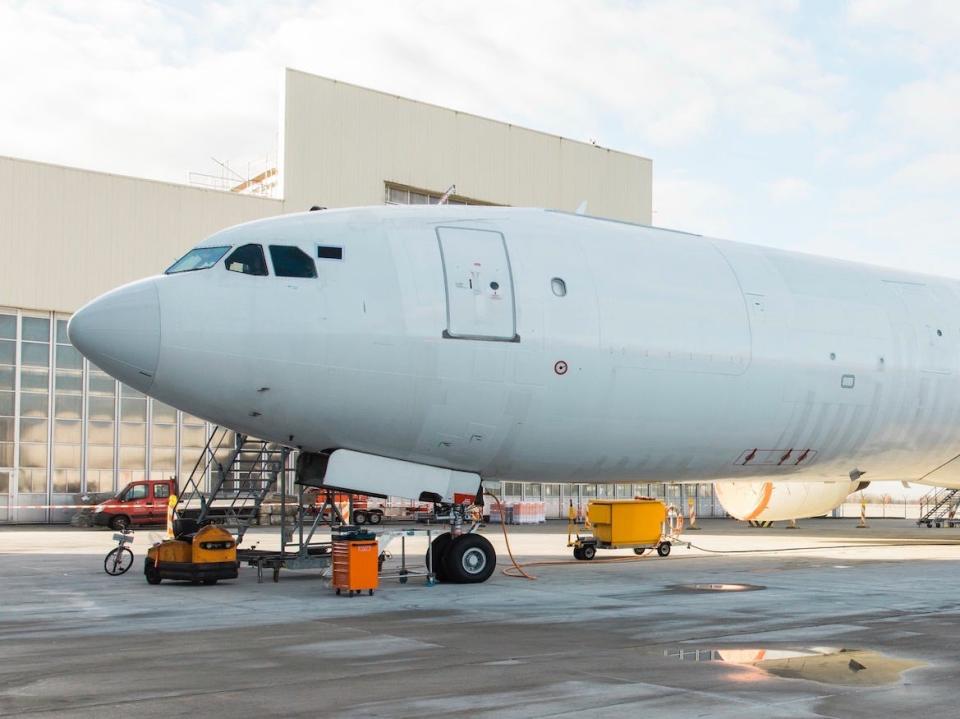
<point>120,333</point>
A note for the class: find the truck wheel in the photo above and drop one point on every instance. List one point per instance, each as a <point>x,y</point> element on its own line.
<point>151,572</point>
<point>120,522</point>
<point>375,517</point>
<point>663,549</point>
<point>578,552</point>
<point>440,546</point>
<point>359,516</point>
<point>589,551</point>
<point>470,559</point>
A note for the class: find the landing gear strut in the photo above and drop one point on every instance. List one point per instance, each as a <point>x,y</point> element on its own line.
<point>460,557</point>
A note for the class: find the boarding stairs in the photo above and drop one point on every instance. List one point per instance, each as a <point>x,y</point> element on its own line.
<point>938,507</point>
<point>241,471</point>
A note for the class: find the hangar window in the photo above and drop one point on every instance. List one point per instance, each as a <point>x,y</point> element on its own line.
<point>199,258</point>
<point>291,262</point>
<point>247,259</point>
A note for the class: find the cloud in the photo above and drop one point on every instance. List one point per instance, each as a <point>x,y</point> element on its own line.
<point>789,189</point>
<point>152,89</point>
<point>693,206</point>
<point>916,31</point>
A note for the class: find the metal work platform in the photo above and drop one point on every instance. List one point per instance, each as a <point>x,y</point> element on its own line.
<point>938,508</point>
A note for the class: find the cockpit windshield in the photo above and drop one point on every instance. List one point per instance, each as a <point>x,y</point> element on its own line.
<point>199,258</point>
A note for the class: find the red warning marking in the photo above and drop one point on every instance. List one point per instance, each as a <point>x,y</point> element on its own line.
<point>774,457</point>
<point>560,367</point>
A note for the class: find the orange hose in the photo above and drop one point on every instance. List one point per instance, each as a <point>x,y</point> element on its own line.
<point>506,539</point>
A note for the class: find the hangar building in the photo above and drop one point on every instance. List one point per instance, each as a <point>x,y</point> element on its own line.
<point>68,235</point>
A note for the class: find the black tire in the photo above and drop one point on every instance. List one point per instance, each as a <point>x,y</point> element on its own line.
<point>209,582</point>
<point>589,551</point>
<point>440,546</point>
<point>374,517</point>
<point>663,549</point>
<point>150,572</point>
<point>120,522</point>
<point>359,516</point>
<point>470,559</point>
<point>578,552</point>
<point>118,561</point>
<point>639,551</point>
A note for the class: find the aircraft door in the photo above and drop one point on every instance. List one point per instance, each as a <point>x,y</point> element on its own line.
<point>479,285</point>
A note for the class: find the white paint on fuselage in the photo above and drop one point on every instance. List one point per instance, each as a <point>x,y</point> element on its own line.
<point>684,353</point>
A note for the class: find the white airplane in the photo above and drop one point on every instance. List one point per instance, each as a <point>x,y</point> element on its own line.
<point>413,351</point>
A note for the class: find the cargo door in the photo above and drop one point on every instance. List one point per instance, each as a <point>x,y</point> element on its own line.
<point>479,285</point>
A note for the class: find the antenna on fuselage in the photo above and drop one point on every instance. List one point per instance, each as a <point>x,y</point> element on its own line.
<point>446,195</point>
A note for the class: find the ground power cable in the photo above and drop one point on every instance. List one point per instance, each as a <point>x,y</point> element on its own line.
<point>503,525</point>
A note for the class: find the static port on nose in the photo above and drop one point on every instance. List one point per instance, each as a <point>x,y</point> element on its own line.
<point>120,333</point>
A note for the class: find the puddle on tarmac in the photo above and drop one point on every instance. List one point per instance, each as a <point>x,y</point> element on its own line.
<point>716,587</point>
<point>829,665</point>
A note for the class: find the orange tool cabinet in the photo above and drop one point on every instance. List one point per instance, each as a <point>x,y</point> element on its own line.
<point>355,565</point>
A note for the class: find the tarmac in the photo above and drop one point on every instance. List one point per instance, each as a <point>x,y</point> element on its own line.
<point>830,621</point>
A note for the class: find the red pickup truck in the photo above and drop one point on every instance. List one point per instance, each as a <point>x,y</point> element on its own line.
<point>143,502</point>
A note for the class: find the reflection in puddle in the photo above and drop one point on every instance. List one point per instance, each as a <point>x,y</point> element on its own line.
<point>717,587</point>
<point>829,665</point>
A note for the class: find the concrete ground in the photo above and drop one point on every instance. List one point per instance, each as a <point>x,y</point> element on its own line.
<point>584,638</point>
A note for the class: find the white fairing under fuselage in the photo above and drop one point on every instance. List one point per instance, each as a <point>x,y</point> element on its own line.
<point>536,345</point>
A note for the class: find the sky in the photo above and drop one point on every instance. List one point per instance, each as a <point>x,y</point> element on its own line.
<point>825,127</point>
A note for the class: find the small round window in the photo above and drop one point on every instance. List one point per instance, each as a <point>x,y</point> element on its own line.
<point>558,286</point>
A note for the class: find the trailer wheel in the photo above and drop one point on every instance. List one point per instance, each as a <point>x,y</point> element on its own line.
<point>470,559</point>
<point>440,546</point>
<point>150,572</point>
<point>639,551</point>
<point>578,552</point>
<point>663,549</point>
<point>375,517</point>
<point>359,516</point>
<point>589,551</point>
<point>120,522</point>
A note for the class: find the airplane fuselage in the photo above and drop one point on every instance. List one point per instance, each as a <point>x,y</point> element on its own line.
<point>543,346</point>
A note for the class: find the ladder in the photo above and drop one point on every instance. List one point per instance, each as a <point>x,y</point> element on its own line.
<point>938,506</point>
<point>242,474</point>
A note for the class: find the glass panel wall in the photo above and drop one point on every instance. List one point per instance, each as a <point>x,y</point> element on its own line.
<point>163,441</point>
<point>34,417</point>
<point>8,405</point>
<point>132,463</point>
<point>66,427</point>
<point>101,430</point>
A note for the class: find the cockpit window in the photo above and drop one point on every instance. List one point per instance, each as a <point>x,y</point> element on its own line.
<point>291,262</point>
<point>247,259</point>
<point>198,259</point>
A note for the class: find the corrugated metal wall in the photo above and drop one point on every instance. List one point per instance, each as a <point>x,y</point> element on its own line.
<point>68,235</point>
<point>371,137</point>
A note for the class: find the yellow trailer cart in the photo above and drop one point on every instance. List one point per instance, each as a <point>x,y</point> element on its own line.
<point>637,524</point>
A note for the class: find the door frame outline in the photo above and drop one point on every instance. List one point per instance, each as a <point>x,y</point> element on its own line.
<point>446,287</point>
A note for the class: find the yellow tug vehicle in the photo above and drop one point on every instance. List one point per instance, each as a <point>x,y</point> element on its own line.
<point>201,556</point>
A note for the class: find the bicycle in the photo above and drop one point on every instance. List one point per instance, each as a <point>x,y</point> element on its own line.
<point>120,558</point>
